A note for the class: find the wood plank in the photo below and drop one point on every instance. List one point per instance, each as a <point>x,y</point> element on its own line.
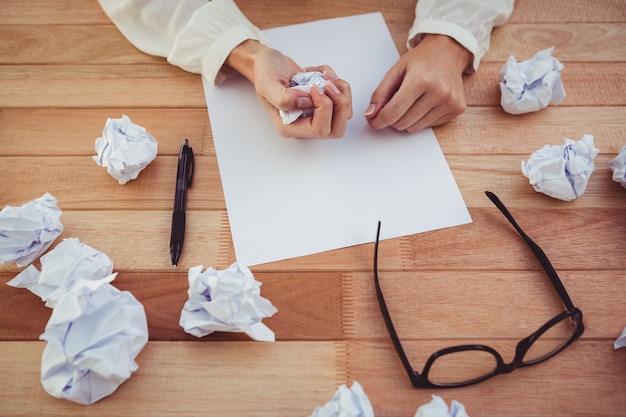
<point>583,380</point>
<point>85,188</point>
<point>541,11</point>
<point>491,131</point>
<point>572,42</point>
<point>303,314</point>
<point>503,175</point>
<point>72,131</point>
<point>169,374</point>
<point>55,44</point>
<point>585,84</point>
<point>39,12</point>
<point>140,85</point>
<point>480,130</point>
<point>50,174</point>
<point>345,306</point>
<point>468,306</point>
<point>533,11</point>
<point>572,239</point>
<point>264,379</point>
<point>145,245</point>
<point>145,85</point>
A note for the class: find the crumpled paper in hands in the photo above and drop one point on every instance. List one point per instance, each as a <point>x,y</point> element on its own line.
<point>124,149</point>
<point>438,408</point>
<point>69,262</point>
<point>28,231</point>
<point>531,85</point>
<point>94,334</point>
<point>621,340</point>
<point>347,402</point>
<point>562,171</point>
<point>226,301</point>
<point>618,166</point>
<point>303,81</point>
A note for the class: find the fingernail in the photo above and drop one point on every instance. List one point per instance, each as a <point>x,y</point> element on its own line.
<point>331,75</point>
<point>305,102</point>
<point>370,110</point>
<point>332,86</point>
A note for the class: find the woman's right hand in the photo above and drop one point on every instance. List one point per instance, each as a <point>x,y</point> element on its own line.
<point>270,71</point>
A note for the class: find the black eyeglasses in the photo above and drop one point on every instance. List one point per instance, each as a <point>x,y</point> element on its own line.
<point>463,365</point>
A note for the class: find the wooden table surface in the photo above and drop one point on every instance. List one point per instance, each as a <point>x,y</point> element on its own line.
<point>65,69</point>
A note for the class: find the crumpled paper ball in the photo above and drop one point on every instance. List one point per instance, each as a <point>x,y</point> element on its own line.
<point>618,166</point>
<point>531,85</point>
<point>94,334</point>
<point>438,408</point>
<point>124,149</point>
<point>64,265</point>
<point>28,231</point>
<point>226,301</point>
<point>347,402</point>
<point>303,81</point>
<point>562,172</point>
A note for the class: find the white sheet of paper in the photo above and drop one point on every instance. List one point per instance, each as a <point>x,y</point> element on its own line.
<point>288,197</point>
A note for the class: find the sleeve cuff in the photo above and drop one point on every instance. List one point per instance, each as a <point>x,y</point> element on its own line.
<point>456,32</point>
<point>210,35</point>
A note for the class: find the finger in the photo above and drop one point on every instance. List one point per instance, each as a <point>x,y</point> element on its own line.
<point>317,126</point>
<point>430,119</point>
<point>288,99</point>
<point>435,107</point>
<point>321,121</point>
<point>341,95</point>
<point>383,93</point>
<point>398,106</point>
<point>423,111</point>
<point>328,72</point>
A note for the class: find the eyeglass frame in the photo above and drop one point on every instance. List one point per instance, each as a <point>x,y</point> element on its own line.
<point>421,380</point>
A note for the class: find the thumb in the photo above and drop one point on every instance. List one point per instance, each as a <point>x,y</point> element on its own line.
<point>287,99</point>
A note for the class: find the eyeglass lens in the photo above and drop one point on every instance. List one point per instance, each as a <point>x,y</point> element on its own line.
<point>462,366</point>
<point>552,340</point>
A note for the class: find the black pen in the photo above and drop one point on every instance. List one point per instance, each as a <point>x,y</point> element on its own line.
<point>183,181</point>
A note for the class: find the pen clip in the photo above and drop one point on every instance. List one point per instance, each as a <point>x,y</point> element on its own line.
<point>190,162</point>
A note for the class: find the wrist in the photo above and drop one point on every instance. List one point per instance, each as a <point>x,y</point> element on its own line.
<point>455,53</point>
<point>243,56</point>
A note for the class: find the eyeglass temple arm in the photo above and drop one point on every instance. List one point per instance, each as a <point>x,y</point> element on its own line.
<point>383,308</point>
<point>539,253</point>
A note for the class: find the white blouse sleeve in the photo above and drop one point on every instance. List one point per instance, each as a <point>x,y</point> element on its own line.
<point>469,22</point>
<point>196,35</point>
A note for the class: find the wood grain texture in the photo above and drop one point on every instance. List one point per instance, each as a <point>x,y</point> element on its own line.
<point>577,382</point>
<point>145,85</point>
<point>290,378</point>
<point>65,69</point>
<point>55,44</point>
<point>169,375</point>
<point>38,12</point>
<point>572,42</point>
<point>36,132</point>
<point>574,11</point>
